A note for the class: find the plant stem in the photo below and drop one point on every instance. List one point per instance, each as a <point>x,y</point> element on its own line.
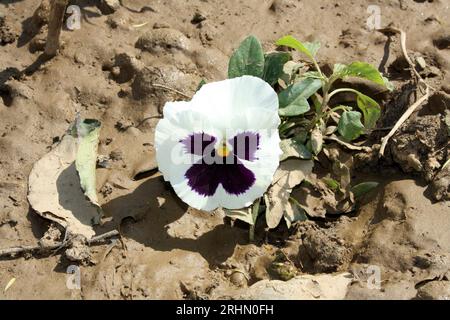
<point>251,233</point>
<point>316,65</point>
<point>343,90</point>
<point>325,88</point>
<point>339,108</point>
<point>255,212</point>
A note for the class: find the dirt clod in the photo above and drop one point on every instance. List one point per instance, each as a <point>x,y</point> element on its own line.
<point>163,39</point>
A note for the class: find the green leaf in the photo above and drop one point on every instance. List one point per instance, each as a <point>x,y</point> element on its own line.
<point>332,184</point>
<point>363,188</point>
<point>297,107</point>
<point>350,126</point>
<point>248,59</point>
<point>273,66</point>
<point>292,148</point>
<point>317,104</point>
<point>293,100</point>
<point>312,47</point>
<point>361,70</point>
<point>304,88</point>
<point>285,127</point>
<point>308,48</point>
<point>370,109</point>
<point>301,136</point>
<point>388,84</point>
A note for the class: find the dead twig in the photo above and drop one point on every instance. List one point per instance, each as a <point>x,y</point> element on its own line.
<point>420,84</point>
<point>57,11</point>
<point>164,87</point>
<point>14,251</point>
<point>146,119</point>
<point>103,237</point>
<point>346,144</point>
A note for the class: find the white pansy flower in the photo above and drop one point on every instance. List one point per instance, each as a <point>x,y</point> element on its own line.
<point>221,149</point>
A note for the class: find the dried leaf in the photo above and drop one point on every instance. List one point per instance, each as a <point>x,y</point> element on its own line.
<point>248,215</point>
<point>290,174</point>
<point>294,213</point>
<point>242,214</point>
<point>54,188</point>
<point>316,140</point>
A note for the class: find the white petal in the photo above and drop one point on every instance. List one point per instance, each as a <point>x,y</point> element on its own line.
<point>227,100</point>
<point>180,121</point>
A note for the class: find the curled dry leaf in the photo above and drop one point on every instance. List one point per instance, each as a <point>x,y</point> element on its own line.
<point>296,214</point>
<point>290,174</point>
<point>244,214</point>
<point>316,140</point>
<point>248,214</point>
<point>57,190</point>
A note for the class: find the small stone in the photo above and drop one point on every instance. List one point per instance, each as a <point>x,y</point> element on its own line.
<point>115,71</point>
<point>80,57</point>
<point>161,201</point>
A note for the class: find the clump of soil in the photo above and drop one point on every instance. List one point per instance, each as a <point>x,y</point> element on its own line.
<point>6,34</point>
<point>322,251</point>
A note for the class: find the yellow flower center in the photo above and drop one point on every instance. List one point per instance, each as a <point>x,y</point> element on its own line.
<point>223,150</point>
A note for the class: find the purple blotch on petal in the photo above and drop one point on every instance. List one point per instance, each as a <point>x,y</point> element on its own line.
<point>245,145</point>
<point>235,178</point>
<point>197,143</point>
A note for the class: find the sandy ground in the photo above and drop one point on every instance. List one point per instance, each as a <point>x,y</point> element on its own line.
<point>105,71</point>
